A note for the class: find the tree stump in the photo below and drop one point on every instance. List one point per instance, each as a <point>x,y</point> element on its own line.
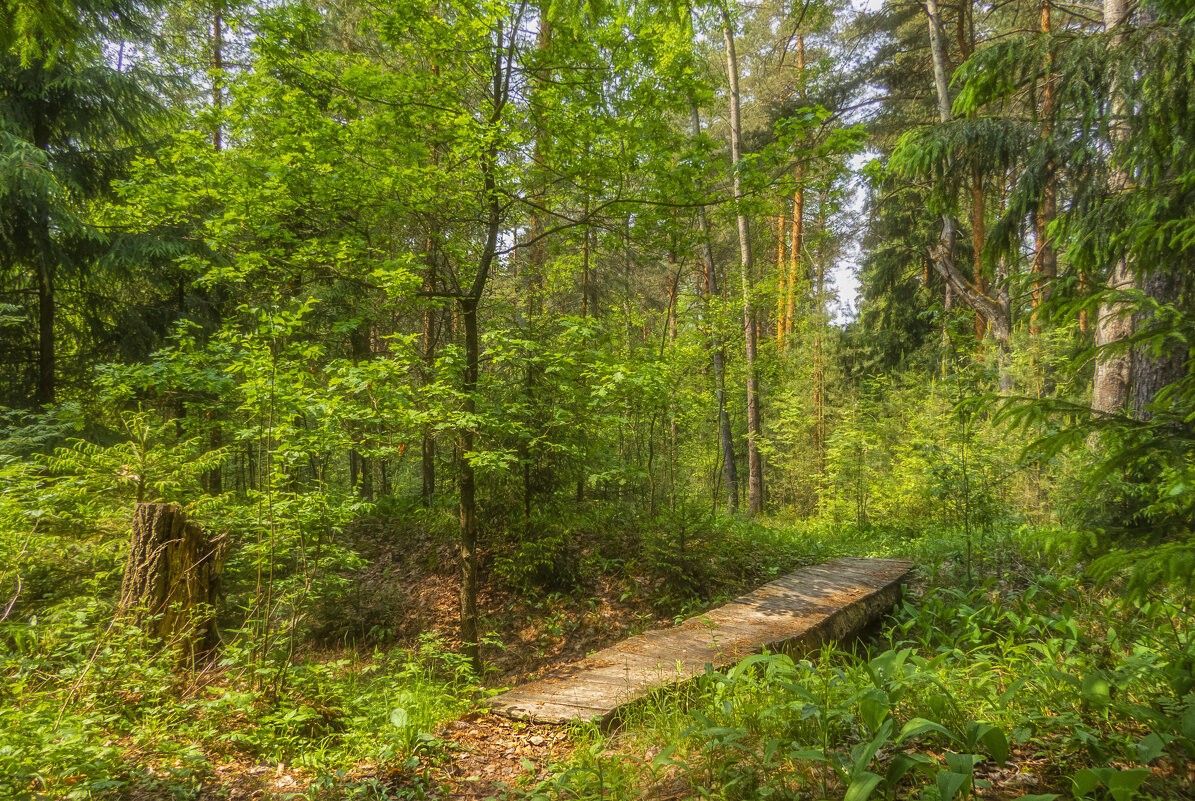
<point>171,579</point>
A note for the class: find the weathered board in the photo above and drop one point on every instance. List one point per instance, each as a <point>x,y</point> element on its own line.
<point>828,602</point>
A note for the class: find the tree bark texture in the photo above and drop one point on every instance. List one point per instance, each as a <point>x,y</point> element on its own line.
<point>754,418</point>
<point>781,282</point>
<point>796,246</point>
<point>1114,322</point>
<point>1045,259</point>
<point>1152,371</point>
<point>730,473</point>
<point>468,488</point>
<point>171,578</point>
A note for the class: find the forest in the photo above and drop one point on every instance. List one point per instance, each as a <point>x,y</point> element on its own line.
<point>361,360</point>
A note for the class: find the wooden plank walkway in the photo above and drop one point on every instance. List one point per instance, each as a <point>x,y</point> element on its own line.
<point>800,611</point>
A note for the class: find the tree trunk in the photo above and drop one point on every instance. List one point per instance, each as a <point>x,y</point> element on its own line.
<point>797,243</point>
<point>171,579</point>
<point>537,256</point>
<point>45,332</point>
<point>977,237</point>
<point>1114,323</point>
<point>1150,372</point>
<point>754,422</point>
<point>819,365</point>
<point>997,315</point>
<point>1045,259</point>
<point>217,78</point>
<point>795,248</point>
<point>781,282</point>
<point>468,488</point>
<point>432,323</point>
<point>730,473</point>
<point>361,471</point>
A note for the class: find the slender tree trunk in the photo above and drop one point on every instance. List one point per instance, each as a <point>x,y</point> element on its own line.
<point>359,340</point>
<point>1114,323</point>
<point>1045,260</point>
<point>978,235</point>
<point>537,251</point>
<point>796,245</point>
<point>467,303</point>
<point>781,283</point>
<point>585,265</point>
<point>46,312</point>
<point>798,226</point>
<point>468,488</point>
<point>432,323</point>
<point>754,421</point>
<point>819,366</point>
<point>730,473</point>
<point>217,77</point>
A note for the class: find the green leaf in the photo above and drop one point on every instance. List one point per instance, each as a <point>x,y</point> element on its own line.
<point>873,708</point>
<point>862,786</point>
<point>399,718</point>
<point>996,743</point>
<point>1084,782</point>
<point>949,783</point>
<point>1097,691</point>
<point>901,764</point>
<point>963,763</point>
<point>1123,784</point>
<point>919,726</point>
<point>1151,747</point>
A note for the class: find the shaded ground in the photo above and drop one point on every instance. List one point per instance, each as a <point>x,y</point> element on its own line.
<point>592,596</point>
<point>589,602</point>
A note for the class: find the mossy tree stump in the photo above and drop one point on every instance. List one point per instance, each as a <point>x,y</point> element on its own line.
<point>171,579</point>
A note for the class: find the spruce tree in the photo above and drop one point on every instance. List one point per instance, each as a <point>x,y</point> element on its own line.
<point>73,109</point>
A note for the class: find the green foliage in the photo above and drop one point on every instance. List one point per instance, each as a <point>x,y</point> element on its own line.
<point>963,682</point>
<point>102,709</point>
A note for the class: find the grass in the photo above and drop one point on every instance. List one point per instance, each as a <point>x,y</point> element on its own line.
<point>1022,679</point>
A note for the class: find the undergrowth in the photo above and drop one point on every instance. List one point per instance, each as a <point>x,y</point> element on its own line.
<point>1028,684</point>
<point>92,709</point>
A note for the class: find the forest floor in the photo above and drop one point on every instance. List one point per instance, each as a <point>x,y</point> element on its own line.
<point>409,591</point>
<point>376,703</point>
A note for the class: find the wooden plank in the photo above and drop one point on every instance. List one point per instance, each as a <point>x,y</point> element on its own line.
<point>798,612</point>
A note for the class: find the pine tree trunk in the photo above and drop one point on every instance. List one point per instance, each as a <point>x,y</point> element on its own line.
<point>795,247</point>
<point>171,579</point>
